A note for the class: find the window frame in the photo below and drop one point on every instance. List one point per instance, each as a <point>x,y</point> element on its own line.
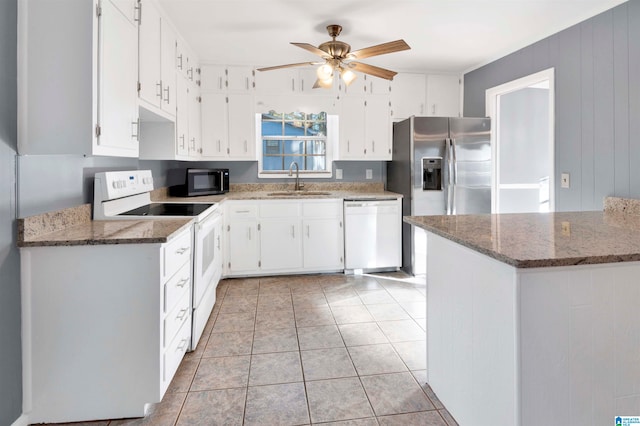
<point>330,149</point>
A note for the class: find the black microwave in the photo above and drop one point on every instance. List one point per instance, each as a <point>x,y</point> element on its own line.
<point>202,182</point>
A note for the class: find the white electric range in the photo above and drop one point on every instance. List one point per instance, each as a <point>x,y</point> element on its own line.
<point>126,195</point>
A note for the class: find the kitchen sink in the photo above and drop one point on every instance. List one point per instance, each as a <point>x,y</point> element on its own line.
<point>297,193</point>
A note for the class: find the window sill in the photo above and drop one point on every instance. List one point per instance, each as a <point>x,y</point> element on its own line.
<point>303,175</point>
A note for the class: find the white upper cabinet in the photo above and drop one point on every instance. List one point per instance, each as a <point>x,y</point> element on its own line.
<point>228,126</point>
<point>408,95</point>
<point>76,94</point>
<point>157,61</point>
<point>443,95</point>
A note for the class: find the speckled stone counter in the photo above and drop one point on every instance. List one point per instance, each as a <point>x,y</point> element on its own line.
<point>275,191</point>
<point>542,239</point>
<point>73,226</point>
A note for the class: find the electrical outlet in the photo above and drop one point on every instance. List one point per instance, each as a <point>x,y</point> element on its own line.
<point>369,174</point>
<point>566,229</point>
<point>338,173</point>
<point>564,180</point>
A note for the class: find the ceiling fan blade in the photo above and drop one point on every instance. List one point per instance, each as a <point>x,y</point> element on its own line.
<point>311,48</point>
<point>380,49</point>
<point>372,70</point>
<point>299,64</point>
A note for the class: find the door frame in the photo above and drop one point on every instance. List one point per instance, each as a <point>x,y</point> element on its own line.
<point>492,99</point>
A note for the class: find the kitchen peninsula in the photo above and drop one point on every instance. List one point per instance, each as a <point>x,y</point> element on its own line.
<point>531,318</point>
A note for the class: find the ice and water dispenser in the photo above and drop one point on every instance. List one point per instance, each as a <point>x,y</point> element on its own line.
<point>432,173</point>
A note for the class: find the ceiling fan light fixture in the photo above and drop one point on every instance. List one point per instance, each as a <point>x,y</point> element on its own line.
<point>326,83</point>
<point>347,76</point>
<point>325,72</point>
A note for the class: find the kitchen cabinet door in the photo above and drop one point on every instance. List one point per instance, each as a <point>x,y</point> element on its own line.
<point>241,123</point>
<point>352,125</point>
<point>214,78</point>
<point>322,244</point>
<point>277,81</point>
<point>408,95</point>
<point>195,130</point>
<point>214,125</point>
<point>280,244</point>
<point>168,67</point>
<point>182,118</point>
<point>443,95</point>
<point>117,105</point>
<point>240,79</point>
<point>149,55</point>
<point>377,128</point>
<point>243,246</point>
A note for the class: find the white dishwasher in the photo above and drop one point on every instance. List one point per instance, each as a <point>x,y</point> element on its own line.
<point>373,233</point>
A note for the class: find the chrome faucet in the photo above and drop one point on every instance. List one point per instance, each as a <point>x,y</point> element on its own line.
<point>299,185</point>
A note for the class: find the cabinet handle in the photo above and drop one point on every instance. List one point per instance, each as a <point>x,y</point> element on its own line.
<point>228,151</point>
<point>293,231</point>
<point>182,314</point>
<point>433,109</point>
<point>373,146</point>
<point>308,236</point>
<point>180,61</point>
<point>245,146</point>
<point>302,85</point>
<point>371,87</point>
<point>365,150</point>
<point>219,83</point>
<point>135,129</point>
<point>159,89</point>
<point>190,73</point>
<point>218,145</point>
<point>182,282</point>
<point>218,241</point>
<point>182,250</point>
<point>193,143</point>
<point>421,109</point>
<point>348,146</point>
<point>249,233</point>
<point>246,83</point>
<point>182,139</point>
<point>182,346</point>
<point>166,89</point>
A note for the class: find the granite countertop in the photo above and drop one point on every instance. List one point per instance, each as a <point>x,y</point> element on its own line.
<point>74,227</point>
<point>284,191</point>
<point>531,240</point>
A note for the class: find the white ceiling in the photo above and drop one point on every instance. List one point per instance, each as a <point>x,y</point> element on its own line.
<point>444,35</point>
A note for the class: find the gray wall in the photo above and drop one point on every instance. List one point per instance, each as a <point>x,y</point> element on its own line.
<point>10,353</point>
<point>597,128</point>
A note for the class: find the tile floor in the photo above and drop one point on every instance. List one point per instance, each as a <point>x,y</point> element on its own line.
<point>307,349</point>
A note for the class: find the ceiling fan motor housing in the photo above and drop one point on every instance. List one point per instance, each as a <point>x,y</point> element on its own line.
<point>337,49</point>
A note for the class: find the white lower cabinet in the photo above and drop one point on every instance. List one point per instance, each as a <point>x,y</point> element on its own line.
<point>283,236</point>
<point>104,327</point>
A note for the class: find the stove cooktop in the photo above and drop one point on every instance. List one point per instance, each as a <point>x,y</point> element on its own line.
<point>168,209</point>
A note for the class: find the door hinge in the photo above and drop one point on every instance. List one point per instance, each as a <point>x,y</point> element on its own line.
<point>258,227</point>
<point>259,264</point>
<point>98,130</point>
<point>199,98</point>
<point>138,8</point>
<point>229,265</point>
<point>98,10</point>
<point>226,99</point>
<point>340,259</point>
<point>139,87</point>
<point>340,224</point>
<point>228,228</point>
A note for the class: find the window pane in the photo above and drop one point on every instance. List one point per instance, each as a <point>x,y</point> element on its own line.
<point>294,147</point>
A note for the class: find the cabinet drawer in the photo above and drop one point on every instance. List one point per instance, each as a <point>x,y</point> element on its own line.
<point>318,209</point>
<point>175,352</point>
<point>279,209</point>
<point>176,253</point>
<point>176,317</point>
<point>176,286</point>
<point>237,211</point>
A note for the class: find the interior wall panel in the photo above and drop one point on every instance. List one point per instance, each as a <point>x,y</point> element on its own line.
<point>597,68</point>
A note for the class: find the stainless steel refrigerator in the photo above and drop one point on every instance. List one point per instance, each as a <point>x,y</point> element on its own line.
<point>441,165</point>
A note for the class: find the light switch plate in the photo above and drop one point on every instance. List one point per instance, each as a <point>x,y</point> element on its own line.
<point>564,180</point>
<point>369,174</point>
<point>338,173</point>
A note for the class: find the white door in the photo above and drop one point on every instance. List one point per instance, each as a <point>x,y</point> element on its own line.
<point>352,125</point>
<point>280,244</point>
<point>243,246</point>
<point>241,125</point>
<point>149,55</point>
<point>523,144</point>
<point>378,128</point>
<point>168,67</point>
<point>182,117</point>
<point>214,125</point>
<point>322,243</point>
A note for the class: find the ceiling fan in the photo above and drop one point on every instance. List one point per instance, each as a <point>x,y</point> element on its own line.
<point>340,60</point>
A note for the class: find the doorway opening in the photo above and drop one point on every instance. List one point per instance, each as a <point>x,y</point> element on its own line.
<point>522,112</point>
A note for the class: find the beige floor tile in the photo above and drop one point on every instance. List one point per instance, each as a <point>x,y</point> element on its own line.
<point>164,413</point>
<point>229,344</point>
<point>370,421</point>
<point>216,407</point>
<point>306,286</point>
<point>309,300</point>
<point>414,354</point>
<point>421,378</point>
<point>244,321</point>
<point>274,286</point>
<point>406,294</point>
<point>284,404</point>
<point>395,393</point>
<point>387,312</point>
<point>416,309</point>
<point>222,373</point>
<point>319,364</point>
<point>362,334</point>
<point>275,340</point>
<point>275,368</point>
<point>184,376</point>
<point>320,337</point>
<point>314,316</point>
<point>402,330</point>
<point>237,304</point>
<point>242,287</point>
<point>423,418</point>
<point>375,297</point>
<point>337,399</point>
<point>337,285</point>
<point>365,285</point>
<point>376,359</point>
<point>275,319</point>
<point>274,302</point>
<point>351,314</point>
<point>343,298</point>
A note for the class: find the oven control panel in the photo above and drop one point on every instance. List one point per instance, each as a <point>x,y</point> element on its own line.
<point>123,183</point>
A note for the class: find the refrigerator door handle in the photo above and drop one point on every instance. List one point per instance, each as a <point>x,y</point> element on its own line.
<point>455,161</point>
<point>449,187</point>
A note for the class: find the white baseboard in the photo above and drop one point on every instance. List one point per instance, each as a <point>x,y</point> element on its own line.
<point>23,420</point>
